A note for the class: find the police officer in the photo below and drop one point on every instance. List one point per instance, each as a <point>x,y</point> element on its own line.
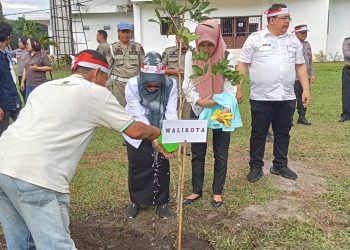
<point>345,116</point>
<point>170,59</point>
<point>103,46</point>
<point>301,33</point>
<point>273,57</point>
<point>125,57</point>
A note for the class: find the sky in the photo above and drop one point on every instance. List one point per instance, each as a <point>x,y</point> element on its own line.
<point>16,6</point>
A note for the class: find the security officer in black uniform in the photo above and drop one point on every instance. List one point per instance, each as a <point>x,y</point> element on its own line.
<point>345,116</point>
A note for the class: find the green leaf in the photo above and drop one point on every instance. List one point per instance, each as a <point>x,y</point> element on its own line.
<point>194,76</point>
<point>197,70</point>
<point>204,5</point>
<point>153,21</point>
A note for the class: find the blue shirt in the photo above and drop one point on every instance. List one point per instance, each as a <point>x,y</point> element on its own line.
<point>9,98</point>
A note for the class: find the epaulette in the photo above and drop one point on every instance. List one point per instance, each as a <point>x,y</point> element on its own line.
<point>117,43</point>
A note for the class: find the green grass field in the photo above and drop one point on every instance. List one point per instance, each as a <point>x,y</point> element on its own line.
<point>99,187</point>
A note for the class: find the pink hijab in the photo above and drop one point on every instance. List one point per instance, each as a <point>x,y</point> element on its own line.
<point>208,85</point>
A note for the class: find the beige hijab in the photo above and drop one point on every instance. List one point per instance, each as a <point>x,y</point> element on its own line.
<point>208,85</point>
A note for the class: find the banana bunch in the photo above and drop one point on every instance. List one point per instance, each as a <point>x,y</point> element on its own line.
<point>224,117</point>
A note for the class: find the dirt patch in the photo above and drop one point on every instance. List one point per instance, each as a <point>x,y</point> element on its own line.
<point>291,204</point>
<point>118,156</point>
<point>310,181</point>
<point>147,231</point>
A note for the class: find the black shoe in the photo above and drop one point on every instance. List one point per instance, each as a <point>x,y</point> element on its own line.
<point>188,201</point>
<point>255,174</point>
<point>302,120</point>
<point>285,172</point>
<point>132,211</point>
<point>215,203</point>
<point>164,211</point>
<point>344,118</point>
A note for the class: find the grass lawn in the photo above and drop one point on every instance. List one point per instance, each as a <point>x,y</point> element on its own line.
<point>99,188</point>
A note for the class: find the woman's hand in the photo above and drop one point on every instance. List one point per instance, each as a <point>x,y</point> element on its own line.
<point>34,67</point>
<point>225,110</point>
<point>161,150</point>
<point>206,103</point>
<point>23,86</point>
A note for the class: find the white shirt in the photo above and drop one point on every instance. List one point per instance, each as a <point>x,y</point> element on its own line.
<point>272,62</point>
<point>44,145</point>
<point>189,89</point>
<point>139,112</point>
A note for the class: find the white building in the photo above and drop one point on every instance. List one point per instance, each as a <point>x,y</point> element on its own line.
<point>328,20</point>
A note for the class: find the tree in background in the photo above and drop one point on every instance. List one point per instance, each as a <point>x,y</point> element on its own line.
<point>2,18</point>
<point>22,27</point>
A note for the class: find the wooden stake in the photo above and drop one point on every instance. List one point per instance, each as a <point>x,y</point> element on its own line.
<point>181,196</point>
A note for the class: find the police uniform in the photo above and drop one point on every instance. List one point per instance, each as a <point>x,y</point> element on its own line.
<point>124,64</point>
<point>103,48</point>
<point>345,116</point>
<point>307,53</point>
<point>170,59</point>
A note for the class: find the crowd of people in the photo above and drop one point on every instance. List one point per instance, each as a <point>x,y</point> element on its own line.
<point>121,87</point>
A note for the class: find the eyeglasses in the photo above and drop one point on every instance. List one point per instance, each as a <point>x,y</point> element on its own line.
<point>285,18</point>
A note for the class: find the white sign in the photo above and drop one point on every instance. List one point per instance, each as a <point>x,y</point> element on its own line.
<point>177,131</point>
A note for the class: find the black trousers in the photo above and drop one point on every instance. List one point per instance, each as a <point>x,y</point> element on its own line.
<point>149,175</point>
<point>221,143</point>
<point>346,91</point>
<point>264,113</point>
<point>13,114</point>
<point>298,90</point>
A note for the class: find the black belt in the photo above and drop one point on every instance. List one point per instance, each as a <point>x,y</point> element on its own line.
<point>347,66</point>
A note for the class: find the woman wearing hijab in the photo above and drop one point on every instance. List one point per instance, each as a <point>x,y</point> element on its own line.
<point>205,94</point>
<point>37,63</point>
<point>151,98</point>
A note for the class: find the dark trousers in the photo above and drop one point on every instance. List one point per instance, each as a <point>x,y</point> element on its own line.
<point>264,113</point>
<point>6,121</point>
<point>346,91</point>
<point>221,143</point>
<point>23,93</point>
<point>298,90</point>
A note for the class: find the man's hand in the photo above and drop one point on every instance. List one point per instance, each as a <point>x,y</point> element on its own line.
<point>239,95</point>
<point>161,150</point>
<point>312,79</point>
<point>1,115</point>
<point>206,103</point>
<point>306,98</point>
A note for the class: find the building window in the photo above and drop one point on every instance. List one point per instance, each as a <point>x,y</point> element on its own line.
<point>235,30</point>
<point>107,27</point>
<point>86,27</point>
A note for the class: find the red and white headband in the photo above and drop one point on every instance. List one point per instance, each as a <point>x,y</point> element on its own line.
<point>152,69</point>
<point>276,12</point>
<point>87,60</point>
